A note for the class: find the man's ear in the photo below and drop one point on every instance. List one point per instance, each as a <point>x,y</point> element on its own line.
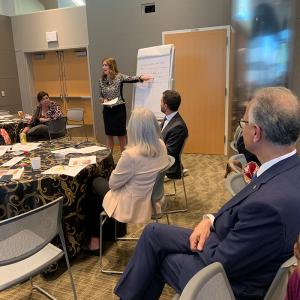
<point>257,133</point>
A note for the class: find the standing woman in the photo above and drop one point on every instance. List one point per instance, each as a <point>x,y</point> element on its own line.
<point>111,87</point>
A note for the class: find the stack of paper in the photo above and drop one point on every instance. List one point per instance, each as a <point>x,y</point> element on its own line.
<point>84,150</point>
<point>111,102</point>
<point>25,147</point>
<point>12,161</point>
<point>82,161</point>
<point>3,149</point>
<point>16,173</point>
<point>64,170</point>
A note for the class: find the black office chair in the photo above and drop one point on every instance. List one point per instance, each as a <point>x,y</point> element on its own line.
<point>57,128</point>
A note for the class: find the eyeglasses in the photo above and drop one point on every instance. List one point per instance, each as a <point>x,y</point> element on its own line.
<point>242,122</point>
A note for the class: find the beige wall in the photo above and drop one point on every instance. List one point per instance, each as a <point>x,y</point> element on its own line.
<point>30,36</point>
<point>9,82</point>
<point>132,30</point>
<point>30,29</point>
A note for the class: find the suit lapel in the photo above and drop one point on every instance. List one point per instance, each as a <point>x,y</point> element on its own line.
<point>254,185</point>
<point>169,125</point>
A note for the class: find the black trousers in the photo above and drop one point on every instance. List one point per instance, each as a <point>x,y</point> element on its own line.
<point>96,191</point>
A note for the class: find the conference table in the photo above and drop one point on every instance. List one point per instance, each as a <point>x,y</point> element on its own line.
<point>13,126</point>
<point>34,189</point>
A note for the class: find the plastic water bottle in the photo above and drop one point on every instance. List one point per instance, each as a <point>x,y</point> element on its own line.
<point>23,139</point>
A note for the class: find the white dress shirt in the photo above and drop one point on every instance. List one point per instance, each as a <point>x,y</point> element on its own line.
<point>168,119</point>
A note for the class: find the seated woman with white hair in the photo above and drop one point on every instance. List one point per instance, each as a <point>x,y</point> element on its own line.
<point>127,195</point>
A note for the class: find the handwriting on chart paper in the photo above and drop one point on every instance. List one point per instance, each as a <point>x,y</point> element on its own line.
<point>155,62</point>
<point>156,67</point>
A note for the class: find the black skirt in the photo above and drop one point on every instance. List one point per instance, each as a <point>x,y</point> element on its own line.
<point>115,120</point>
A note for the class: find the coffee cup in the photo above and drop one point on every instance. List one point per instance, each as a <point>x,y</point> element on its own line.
<point>35,162</point>
<point>60,157</point>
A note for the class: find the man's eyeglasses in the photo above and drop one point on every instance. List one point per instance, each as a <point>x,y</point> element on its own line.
<point>242,122</point>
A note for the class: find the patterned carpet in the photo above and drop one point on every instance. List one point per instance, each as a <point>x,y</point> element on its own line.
<point>206,193</point>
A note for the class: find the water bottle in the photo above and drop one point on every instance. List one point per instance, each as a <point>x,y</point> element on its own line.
<point>23,139</point>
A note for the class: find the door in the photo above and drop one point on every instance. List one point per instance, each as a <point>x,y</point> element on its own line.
<point>201,74</point>
<point>64,75</point>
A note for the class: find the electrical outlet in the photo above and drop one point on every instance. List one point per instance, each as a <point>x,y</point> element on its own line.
<point>3,93</point>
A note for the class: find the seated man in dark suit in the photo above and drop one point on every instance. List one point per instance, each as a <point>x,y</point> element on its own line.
<point>252,234</point>
<point>174,130</point>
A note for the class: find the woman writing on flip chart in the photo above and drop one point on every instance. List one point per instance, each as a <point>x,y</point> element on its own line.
<point>111,88</point>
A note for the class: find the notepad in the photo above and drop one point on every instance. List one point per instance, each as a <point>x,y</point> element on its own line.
<point>111,102</point>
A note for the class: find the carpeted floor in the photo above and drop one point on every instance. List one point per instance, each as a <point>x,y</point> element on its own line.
<point>206,193</point>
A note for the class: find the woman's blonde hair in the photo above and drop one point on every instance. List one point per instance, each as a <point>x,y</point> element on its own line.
<point>113,69</point>
<point>144,132</point>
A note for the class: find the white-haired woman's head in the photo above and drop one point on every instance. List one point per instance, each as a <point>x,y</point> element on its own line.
<point>144,132</point>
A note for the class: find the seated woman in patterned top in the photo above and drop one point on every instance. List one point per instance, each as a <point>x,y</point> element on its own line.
<point>46,110</point>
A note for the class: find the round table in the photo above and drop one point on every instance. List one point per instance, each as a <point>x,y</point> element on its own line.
<point>35,189</point>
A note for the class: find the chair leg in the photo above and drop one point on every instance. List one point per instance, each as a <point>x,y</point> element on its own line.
<point>69,134</point>
<point>63,242</point>
<point>103,218</point>
<point>86,137</point>
<point>185,198</point>
<point>167,216</point>
<point>41,290</point>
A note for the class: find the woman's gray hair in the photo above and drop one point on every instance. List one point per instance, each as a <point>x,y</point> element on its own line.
<point>144,132</point>
<point>276,111</point>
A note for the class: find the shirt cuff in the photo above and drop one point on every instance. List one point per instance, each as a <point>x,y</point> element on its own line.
<point>211,218</point>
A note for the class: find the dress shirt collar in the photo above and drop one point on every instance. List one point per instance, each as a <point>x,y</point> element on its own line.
<point>265,166</point>
<point>168,118</point>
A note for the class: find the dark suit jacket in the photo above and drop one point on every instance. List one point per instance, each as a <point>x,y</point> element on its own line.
<point>255,231</point>
<point>174,135</point>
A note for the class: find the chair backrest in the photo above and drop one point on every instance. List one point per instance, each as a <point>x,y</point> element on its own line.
<point>181,150</point>
<point>238,132</point>
<point>235,182</point>
<point>26,234</point>
<point>75,114</point>
<point>210,283</point>
<point>240,158</point>
<point>158,188</point>
<point>277,290</point>
<point>57,127</point>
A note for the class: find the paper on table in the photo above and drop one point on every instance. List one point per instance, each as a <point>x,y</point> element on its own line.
<point>84,150</point>
<point>82,161</point>
<point>16,173</point>
<point>90,149</point>
<point>111,102</point>
<point>25,147</point>
<point>64,170</point>
<point>6,122</point>
<point>6,116</point>
<point>2,151</point>
<point>12,161</point>
<point>65,150</point>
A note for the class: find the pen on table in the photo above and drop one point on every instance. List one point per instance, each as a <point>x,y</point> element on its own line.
<point>77,145</point>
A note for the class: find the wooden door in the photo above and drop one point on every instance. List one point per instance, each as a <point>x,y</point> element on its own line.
<point>77,82</point>
<point>76,73</point>
<point>46,73</point>
<point>64,75</point>
<point>200,78</point>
